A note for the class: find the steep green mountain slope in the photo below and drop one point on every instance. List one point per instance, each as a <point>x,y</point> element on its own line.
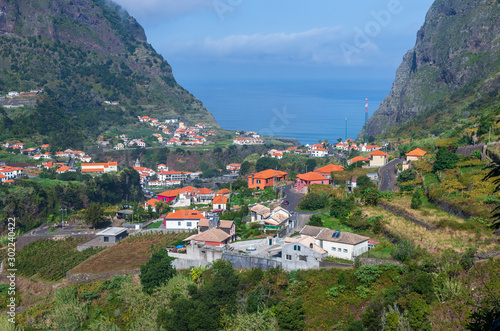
<point>83,53</point>
<point>453,71</point>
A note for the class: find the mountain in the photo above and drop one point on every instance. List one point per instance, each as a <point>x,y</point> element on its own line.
<point>453,72</point>
<point>82,53</point>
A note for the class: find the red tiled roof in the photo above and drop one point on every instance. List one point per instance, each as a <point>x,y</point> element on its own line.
<point>220,199</point>
<point>185,214</point>
<point>378,153</point>
<point>329,168</point>
<point>270,173</point>
<point>224,191</point>
<point>311,176</point>
<point>63,169</point>
<point>359,158</point>
<point>416,152</point>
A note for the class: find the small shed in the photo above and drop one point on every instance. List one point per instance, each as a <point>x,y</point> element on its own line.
<point>112,234</point>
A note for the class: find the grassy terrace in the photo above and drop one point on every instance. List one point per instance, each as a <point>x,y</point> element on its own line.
<point>129,254</point>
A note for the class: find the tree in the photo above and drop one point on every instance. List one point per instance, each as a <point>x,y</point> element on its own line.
<point>315,220</point>
<point>445,160</point>
<point>416,201</point>
<point>290,314</point>
<point>245,166</point>
<point>310,164</point>
<point>340,208</point>
<point>265,163</point>
<point>157,271</point>
<point>313,201</point>
<point>407,175</point>
<point>94,215</point>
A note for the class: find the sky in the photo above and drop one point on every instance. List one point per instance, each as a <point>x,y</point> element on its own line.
<point>281,39</point>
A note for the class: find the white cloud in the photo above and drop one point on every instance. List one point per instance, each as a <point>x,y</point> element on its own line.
<point>315,46</point>
<point>146,9</point>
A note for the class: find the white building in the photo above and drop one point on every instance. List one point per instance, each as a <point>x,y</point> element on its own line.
<point>344,245</point>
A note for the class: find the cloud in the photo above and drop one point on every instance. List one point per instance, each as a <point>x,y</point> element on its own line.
<point>315,46</point>
<point>157,9</point>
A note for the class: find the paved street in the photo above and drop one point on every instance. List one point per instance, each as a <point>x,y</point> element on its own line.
<point>388,175</point>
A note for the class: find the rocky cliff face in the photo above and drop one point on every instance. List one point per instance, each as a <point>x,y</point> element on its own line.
<point>91,45</point>
<point>457,47</point>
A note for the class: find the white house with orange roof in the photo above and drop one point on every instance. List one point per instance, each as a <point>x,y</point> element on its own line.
<point>233,167</point>
<point>183,219</point>
<point>378,158</point>
<point>220,202</point>
<point>319,152</point>
<point>151,203</point>
<point>63,169</point>
<point>415,155</point>
<point>99,167</point>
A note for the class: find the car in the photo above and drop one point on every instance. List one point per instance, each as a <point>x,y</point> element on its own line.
<point>251,248</point>
<point>286,202</point>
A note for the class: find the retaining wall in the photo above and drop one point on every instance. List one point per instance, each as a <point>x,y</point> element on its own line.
<point>406,216</point>
<point>371,261</point>
<point>88,277</point>
<point>249,262</point>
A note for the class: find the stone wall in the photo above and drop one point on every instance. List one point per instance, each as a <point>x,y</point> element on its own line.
<point>88,277</point>
<point>370,261</point>
<point>249,262</point>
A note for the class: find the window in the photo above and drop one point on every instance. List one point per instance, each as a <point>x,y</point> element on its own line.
<point>258,181</point>
<point>334,249</point>
<point>288,257</point>
<point>303,258</point>
<point>188,224</point>
<point>179,223</point>
<point>310,245</point>
<point>106,239</point>
<point>345,250</point>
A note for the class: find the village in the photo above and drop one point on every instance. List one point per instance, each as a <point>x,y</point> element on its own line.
<point>286,239</point>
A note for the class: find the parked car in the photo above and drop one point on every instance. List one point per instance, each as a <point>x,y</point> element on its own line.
<point>251,248</point>
<point>286,202</point>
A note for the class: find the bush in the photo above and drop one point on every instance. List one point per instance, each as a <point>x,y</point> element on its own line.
<point>416,200</point>
<point>157,271</point>
<point>367,274</point>
<point>314,201</point>
<point>407,175</point>
<point>340,208</point>
<point>403,251</point>
<point>315,220</point>
<point>445,160</point>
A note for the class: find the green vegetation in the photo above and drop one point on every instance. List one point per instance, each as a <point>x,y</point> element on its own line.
<point>51,259</point>
<point>157,271</point>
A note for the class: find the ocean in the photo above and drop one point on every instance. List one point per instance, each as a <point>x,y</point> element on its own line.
<point>305,110</point>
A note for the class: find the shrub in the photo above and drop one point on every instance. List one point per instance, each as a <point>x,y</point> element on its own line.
<point>315,220</point>
<point>403,251</point>
<point>416,200</point>
<point>367,274</point>
<point>313,201</point>
<point>157,271</point>
<point>445,160</point>
<point>407,175</point>
<point>335,291</point>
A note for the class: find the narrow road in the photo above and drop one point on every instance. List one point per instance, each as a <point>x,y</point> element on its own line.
<point>388,175</point>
